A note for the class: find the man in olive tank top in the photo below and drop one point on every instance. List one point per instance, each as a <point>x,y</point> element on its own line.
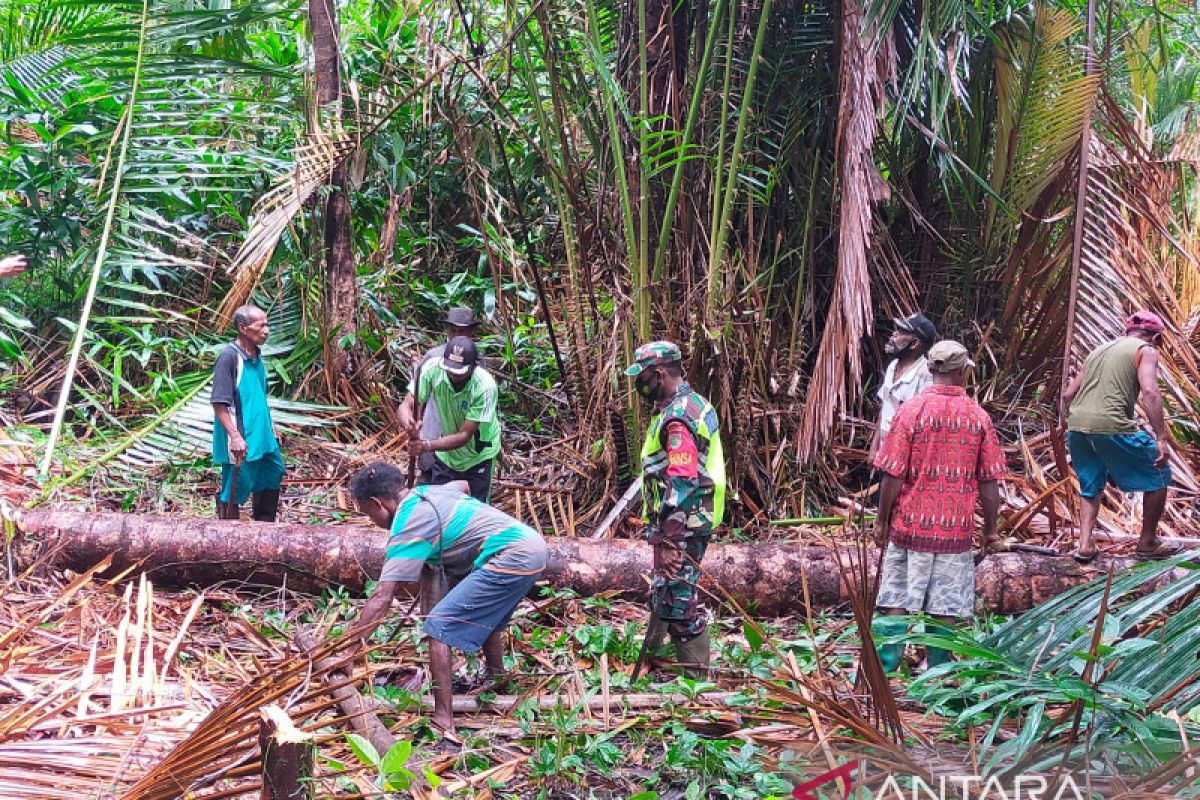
<point>1105,440</point>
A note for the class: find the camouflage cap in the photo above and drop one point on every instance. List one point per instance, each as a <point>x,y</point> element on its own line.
<point>652,354</point>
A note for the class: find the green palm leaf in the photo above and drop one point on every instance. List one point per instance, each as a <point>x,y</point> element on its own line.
<point>1146,665</point>
<point>1043,100</point>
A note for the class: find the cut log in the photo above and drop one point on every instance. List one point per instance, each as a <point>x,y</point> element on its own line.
<point>766,579</point>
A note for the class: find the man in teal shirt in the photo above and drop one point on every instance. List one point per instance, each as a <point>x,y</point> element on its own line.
<point>490,560</point>
<point>465,395</point>
<point>244,439</point>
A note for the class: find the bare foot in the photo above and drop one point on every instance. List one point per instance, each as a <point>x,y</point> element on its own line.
<point>498,682</point>
<point>443,727</point>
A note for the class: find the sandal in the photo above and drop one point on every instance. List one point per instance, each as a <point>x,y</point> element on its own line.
<point>1161,552</point>
<point>1086,558</point>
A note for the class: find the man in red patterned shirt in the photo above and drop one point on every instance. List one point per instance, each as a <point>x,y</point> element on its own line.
<point>941,454</point>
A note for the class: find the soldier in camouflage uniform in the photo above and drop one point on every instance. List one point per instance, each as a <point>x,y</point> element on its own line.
<point>683,487</point>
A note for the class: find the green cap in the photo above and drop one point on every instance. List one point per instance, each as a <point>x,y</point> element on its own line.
<point>652,354</point>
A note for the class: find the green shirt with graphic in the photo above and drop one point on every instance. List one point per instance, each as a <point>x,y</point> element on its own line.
<point>476,403</point>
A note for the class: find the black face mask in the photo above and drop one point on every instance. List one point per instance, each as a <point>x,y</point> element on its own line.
<point>647,385</point>
<point>900,351</point>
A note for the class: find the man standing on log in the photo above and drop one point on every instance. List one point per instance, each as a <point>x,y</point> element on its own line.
<point>460,321</point>
<point>1104,437</point>
<point>683,487</point>
<point>906,375</point>
<point>491,561</point>
<point>941,454</point>
<point>465,395</point>
<point>244,440</point>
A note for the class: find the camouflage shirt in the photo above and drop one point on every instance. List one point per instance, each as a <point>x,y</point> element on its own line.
<point>677,485</point>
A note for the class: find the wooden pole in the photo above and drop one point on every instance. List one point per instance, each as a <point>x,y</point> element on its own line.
<point>358,708</point>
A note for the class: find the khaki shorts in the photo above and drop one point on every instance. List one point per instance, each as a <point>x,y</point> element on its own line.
<point>936,583</point>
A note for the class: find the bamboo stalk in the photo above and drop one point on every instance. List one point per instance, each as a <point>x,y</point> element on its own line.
<point>642,297</point>
<point>608,103</point>
<point>689,129</point>
<point>720,233</point>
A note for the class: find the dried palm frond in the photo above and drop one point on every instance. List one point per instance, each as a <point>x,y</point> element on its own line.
<point>314,162</point>
<point>225,744</point>
<point>837,372</point>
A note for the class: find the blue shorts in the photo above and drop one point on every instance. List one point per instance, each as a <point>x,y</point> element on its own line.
<point>253,476</point>
<point>1126,458</point>
<point>481,603</point>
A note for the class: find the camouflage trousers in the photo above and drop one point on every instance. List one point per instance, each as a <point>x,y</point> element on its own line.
<point>676,595</point>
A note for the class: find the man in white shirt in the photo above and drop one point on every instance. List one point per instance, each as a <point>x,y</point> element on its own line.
<point>907,374</point>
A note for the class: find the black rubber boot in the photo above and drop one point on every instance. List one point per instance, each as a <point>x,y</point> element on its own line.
<point>693,655</point>
<point>266,505</point>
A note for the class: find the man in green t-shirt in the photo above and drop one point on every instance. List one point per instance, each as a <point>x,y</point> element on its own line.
<point>1104,437</point>
<point>465,396</point>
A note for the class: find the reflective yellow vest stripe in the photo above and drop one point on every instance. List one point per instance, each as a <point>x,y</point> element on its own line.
<point>705,428</point>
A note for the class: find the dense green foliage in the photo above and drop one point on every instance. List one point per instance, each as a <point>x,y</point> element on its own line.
<point>747,184</point>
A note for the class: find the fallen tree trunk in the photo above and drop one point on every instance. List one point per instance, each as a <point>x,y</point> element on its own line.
<point>766,579</point>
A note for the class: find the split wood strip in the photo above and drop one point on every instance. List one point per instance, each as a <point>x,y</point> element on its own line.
<point>351,702</point>
<point>535,489</point>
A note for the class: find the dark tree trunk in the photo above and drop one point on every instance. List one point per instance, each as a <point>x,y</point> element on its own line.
<point>341,291</point>
<point>765,579</point>
<point>287,760</point>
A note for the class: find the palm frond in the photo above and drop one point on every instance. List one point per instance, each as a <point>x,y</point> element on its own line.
<point>314,162</point>
<point>1144,664</point>
<point>838,369</point>
<point>1043,100</point>
<point>39,74</point>
<point>185,430</point>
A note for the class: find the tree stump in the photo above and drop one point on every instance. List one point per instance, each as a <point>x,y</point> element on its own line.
<point>287,757</point>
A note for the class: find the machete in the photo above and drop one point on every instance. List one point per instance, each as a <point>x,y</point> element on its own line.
<point>656,631</point>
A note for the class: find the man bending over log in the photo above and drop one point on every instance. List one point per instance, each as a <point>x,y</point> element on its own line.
<point>940,455</point>
<point>1104,437</point>
<point>490,559</point>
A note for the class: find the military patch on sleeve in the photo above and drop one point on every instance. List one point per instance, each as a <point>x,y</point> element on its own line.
<point>679,458</point>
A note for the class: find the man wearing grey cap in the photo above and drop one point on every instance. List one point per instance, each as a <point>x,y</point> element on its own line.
<point>906,375</point>
<point>941,454</point>
<point>460,321</point>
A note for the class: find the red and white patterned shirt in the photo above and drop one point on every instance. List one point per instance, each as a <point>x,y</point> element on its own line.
<point>941,445</point>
